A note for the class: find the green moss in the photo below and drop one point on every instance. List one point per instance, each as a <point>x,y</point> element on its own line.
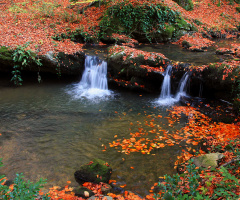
<point>168,32</point>
<point>147,21</point>
<point>100,169</point>
<point>196,21</point>
<point>238,9</point>
<point>5,54</point>
<point>186,4</point>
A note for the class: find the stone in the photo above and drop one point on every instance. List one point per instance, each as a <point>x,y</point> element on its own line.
<point>83,192</point>
<point>95,171</point>
<point>106,188</point>
<point>207,160</point>
<point>102,197</point>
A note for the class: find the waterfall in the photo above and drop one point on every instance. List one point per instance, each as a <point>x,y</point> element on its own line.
<point>165,96</point>
<point>166,85</point>
<point>94,80</point>
<point>95,74</point>
<point>182,87</point>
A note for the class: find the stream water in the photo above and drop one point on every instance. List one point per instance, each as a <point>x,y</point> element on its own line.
<point>48,131</point>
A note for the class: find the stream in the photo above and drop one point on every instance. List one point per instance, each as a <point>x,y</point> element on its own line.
<point>48,132</point>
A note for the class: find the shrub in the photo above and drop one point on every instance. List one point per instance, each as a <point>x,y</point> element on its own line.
<point>147,19</point>
<point>20,189</point>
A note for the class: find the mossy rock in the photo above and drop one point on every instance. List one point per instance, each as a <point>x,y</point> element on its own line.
<point>145,23</point>
<point>95,171</point>
<point>5,53</point>
<point>208,160</point>
<point>238,9</point>
<point>186,4</point>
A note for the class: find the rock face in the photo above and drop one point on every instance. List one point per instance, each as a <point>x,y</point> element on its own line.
<point>54,64</point>
<point>207,160</point>
<point>96,171</point>
<point>135,69</point>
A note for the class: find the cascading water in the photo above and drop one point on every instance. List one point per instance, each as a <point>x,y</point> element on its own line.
<point>182,87</point>
<point>94,79</point>
<point>166,85</point>
<point>95,74</point>
<point>165,96</point>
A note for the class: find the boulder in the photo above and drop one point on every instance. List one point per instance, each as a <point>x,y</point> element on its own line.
<point>95,171</point>
<point>208,160</point>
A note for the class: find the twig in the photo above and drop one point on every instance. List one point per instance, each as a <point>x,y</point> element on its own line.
<point>231,161</point>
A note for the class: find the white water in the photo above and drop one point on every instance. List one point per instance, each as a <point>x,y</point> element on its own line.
<point>94,80</point>
<point>165,96</point>
<point>182,88</point>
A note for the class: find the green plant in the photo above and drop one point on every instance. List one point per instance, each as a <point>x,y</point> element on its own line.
<point>181,186</point>
<point>148,19</point>
<point>21,189</point>
<point>22,58</point>
<point>78,35</point>
<point>225,189</point>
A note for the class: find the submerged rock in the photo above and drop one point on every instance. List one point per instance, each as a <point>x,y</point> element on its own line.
<point>95,171</point>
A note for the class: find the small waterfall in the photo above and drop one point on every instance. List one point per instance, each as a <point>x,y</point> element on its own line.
<point>95,74</point>
<point>94,80</point>
<point>166,85</point>
<point>165,96</point>
<point>182,87</point>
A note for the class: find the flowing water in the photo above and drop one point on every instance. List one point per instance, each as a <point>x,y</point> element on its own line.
<point>94,80</point>
<point>182,88</point>
<point>48,130</point>
<point>166,98</point>
<point>48,133</point>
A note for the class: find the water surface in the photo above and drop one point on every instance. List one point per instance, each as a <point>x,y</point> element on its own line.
<point>48,133</point>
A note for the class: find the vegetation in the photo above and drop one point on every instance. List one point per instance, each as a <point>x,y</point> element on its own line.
<point>30,28</point>
<point>20,189</point>
<point>21,59</point>
<point>153,21</point>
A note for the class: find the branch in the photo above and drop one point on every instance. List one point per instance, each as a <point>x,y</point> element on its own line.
<point>231,161</point>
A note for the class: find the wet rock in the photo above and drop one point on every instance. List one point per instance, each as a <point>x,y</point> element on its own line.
<point>106,188</point>
<point>101,197</point>
<point>223,51</point>
<point>208,160</point>
<point>95,171</point>
<point>83,192</point>
<point>72,64</point>
<point>136,69</point>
